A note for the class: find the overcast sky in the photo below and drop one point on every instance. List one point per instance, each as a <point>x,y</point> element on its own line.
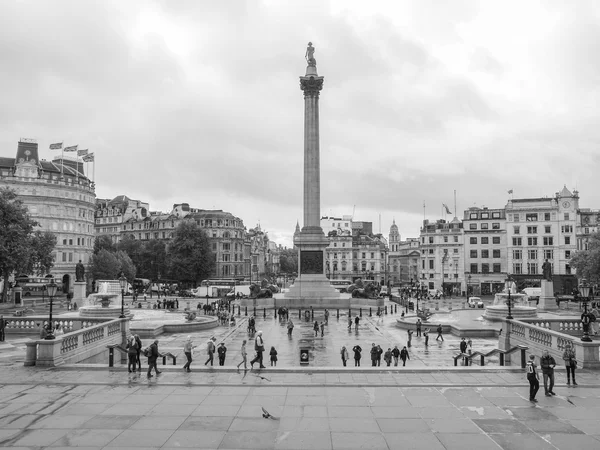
<point>199,102</point>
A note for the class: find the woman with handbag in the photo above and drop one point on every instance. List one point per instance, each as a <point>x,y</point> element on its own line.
<point>570,363</point>
<point>259,346</point>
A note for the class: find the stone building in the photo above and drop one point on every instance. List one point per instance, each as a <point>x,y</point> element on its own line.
<point>403,259</point>
<point>111,214</point>
<point>60,198</point>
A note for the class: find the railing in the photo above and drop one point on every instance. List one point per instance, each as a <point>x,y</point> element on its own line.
<point>539,338</point>
<point>469,356</point>
<point>113,347</point>
<point>32,324</point>
<point>76,346</point>
<point>572,327</point>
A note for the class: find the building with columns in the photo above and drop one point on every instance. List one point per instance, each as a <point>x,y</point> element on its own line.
<point>60,198</point>
<point>403,259</point>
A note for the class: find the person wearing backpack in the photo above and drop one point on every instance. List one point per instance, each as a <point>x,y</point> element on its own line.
<point>210,350</point>
<point>533,378</point>
<point>139,352</point>
<point>259,346</point>
<point>131,353</point>
<point>357,355</point>
<point>153,355</point>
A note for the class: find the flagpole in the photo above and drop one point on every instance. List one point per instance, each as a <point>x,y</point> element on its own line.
<point>62,161</point>
<point>455,203</point>
<point>423,209</point>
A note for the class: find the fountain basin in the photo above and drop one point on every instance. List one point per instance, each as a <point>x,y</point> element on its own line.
<point>499,312</point>
<point>459,322</point>
<point>101,312</point>
<point>149,323</point>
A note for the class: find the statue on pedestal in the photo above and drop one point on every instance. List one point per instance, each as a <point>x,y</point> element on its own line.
<point>547,270</point>
<point>79,272</point>
<point>310,59</point>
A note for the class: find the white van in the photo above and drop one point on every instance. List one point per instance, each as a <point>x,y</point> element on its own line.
<point>533,293</point>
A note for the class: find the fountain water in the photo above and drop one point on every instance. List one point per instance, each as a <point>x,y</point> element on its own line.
<point>520,308</point>
<point>105,303</point>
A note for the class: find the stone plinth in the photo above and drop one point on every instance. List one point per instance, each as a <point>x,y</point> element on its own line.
<point>547,299</point>
<point>79,292</point>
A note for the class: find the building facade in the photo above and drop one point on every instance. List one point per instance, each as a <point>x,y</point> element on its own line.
<point>403,259</point>
<point>485,250</point>
<point>60,198</point>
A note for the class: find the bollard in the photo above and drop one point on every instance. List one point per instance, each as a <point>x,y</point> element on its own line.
<point>482,362</point>
<point>501,359</point>
<point>299,313</point>
<point>254,312</point>
<point>386,310</point>
<point>312,313</point>
<point>370,312</point>
<point>246,312</point>
<point>274,312</point>
<point>111,357</point>
<point>239,312</point>
<point>338,313</point>
<point>360,312</point>
<point>264,313</point>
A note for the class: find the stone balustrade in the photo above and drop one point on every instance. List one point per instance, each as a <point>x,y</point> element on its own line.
<point>31,325</point>
<point>572,327</point>
<point>77,346</point>
<point>540,335</point>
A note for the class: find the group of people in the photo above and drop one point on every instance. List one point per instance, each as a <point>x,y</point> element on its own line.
<point>166,304</point>
<point>57,330</point>
<point>394,354</point>
<point>547,365</point>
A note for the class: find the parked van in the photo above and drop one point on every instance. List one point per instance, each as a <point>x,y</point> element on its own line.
<point>533,293</point>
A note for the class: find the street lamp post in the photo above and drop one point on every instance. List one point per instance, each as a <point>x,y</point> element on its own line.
<point>509,301</point>
<point>586,318</point>
<point>52,287</point>
<point>468,285</point>
<point>123,283</point>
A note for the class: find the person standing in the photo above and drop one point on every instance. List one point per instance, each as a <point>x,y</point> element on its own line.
<point>345,355</point>
<point>387,357</point>
<point>259,346</point>
<point>322,329</point>
<point>152,358</point>
<point>439,332</point>
<point>290,327</point>
<point>396,354</point>
<point>188,349</point>
<point>404,356</point>
<point>570,363</point>
<point>131,354</point>
<point>374,353</point>
<point>210,350</point>
<point>349,323</point>
<point>548,364</point>
<point>357,355</point>
<point>316,328</point>
<point>222,351</point>
<point>244,354</point>
<point>138,358</point>
<point>533,378</point>
<point>419,324</point>
<point>2,328</point>
<point>326,317</point>
<point>356,321</point>
<point>379,354</point>
<point>426,336</point>
<point>273,355</point>
<point>463,349</point>
<point>410,333</point>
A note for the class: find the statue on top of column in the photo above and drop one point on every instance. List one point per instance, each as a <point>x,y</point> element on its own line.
<point>310,59</point>
<point>547,271</point>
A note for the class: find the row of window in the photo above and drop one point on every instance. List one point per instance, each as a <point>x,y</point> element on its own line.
<point>533,229</point>
<point>485,240</point>
<point>363,267</point>
<point>533,254</point>
<point>355,255</point>
<point>485,254</point>
<point>534,217</point>
<point>548,240</point>
<point>485,226</point>
<point>485,268</point>
<point>485,215</point>
<point>431,239</point>
<point>80,241</point>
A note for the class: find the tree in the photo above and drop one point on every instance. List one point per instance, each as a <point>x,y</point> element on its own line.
<point>104,265</point>
<point>126,265</point>
<point>190,258</point>
<point>587,262</point>
<point>288,260</point>
<point>21,249</point>
<point>103,242</point>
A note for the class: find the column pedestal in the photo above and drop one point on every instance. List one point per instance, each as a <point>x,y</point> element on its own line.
<point>547,299</point>
<point>79,296</point>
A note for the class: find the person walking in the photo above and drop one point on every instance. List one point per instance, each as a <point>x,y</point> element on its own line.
<point>188,349</point>
<point>533,378</point>
<point>419,324</point>
<point>387,357</point>
<point>326,317</point>
<point>374,353</point>
<point>153,355</point>
<point>439,332</point>
<point>404,356</point>
<point>356,321</point>
<point>548,364</point>
<point>596,323</point>
<point>131,354</point>
<point>316,328</point>
<point>426,336</point>
<point>244,354</point>
<point>290,327</point>
<point>210,350</point>
<point>410,333</point>
<point>2,328</point>
<point>322,329</point>
<point>349,323</point>
<point>570,363</point>
<point>222,351</point>
<point>357,355</point>
<point>138,358</point>
<point>379,354</point>
<point>463,349</point>
<point>345,355</point>
<point>259,346</point>
<point>273,354</point>
<point>396,354</point>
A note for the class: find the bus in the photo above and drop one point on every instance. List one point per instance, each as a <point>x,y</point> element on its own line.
<point>341,285</point>
<point>219,287</point>
<point>34,287</point>
<point>141,285</point>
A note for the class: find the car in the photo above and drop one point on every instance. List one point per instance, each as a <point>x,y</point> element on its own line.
<point>475,302</point>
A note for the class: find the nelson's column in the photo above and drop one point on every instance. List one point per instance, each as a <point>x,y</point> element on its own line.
<point>312,287</point>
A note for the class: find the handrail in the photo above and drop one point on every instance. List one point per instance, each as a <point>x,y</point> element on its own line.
<point>111,353</point>
<point>171,355</point>
<point>502,353</point>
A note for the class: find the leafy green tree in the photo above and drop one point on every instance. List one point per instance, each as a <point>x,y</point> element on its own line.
<point>126,265</point>
<point>189,256</point>
<point>587,262</point>
<point>288,260</point>
<point>103,242</point>
<point>104,265</point>
<point>21,248</point>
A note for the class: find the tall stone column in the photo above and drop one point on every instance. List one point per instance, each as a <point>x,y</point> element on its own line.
<point>312,286</point>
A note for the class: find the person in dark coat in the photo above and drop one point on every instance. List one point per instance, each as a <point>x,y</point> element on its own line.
<point>222,351</point>
<point>387,357</point>
<point>131,354</point>
<point>548,363</point>
<point>463,349</point>
<point>396,354</point>
<point>139,352</point>
<point>152,358</point>
<point>404,356</point>
<point>316,328</point>
<point>374,354</point>
<point>357,355</point>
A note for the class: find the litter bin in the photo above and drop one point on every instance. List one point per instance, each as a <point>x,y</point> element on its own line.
<point>304,355</point>
<point>17,295</point>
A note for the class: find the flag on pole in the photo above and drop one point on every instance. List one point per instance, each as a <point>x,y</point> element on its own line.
<point>510,191</point>
<point>447,209</point>
<point>82,152</point>
<point>73,148</point>
<point>57,146</point>
<point>88,158</point>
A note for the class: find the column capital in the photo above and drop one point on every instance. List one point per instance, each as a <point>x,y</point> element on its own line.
<point>311,85</point>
